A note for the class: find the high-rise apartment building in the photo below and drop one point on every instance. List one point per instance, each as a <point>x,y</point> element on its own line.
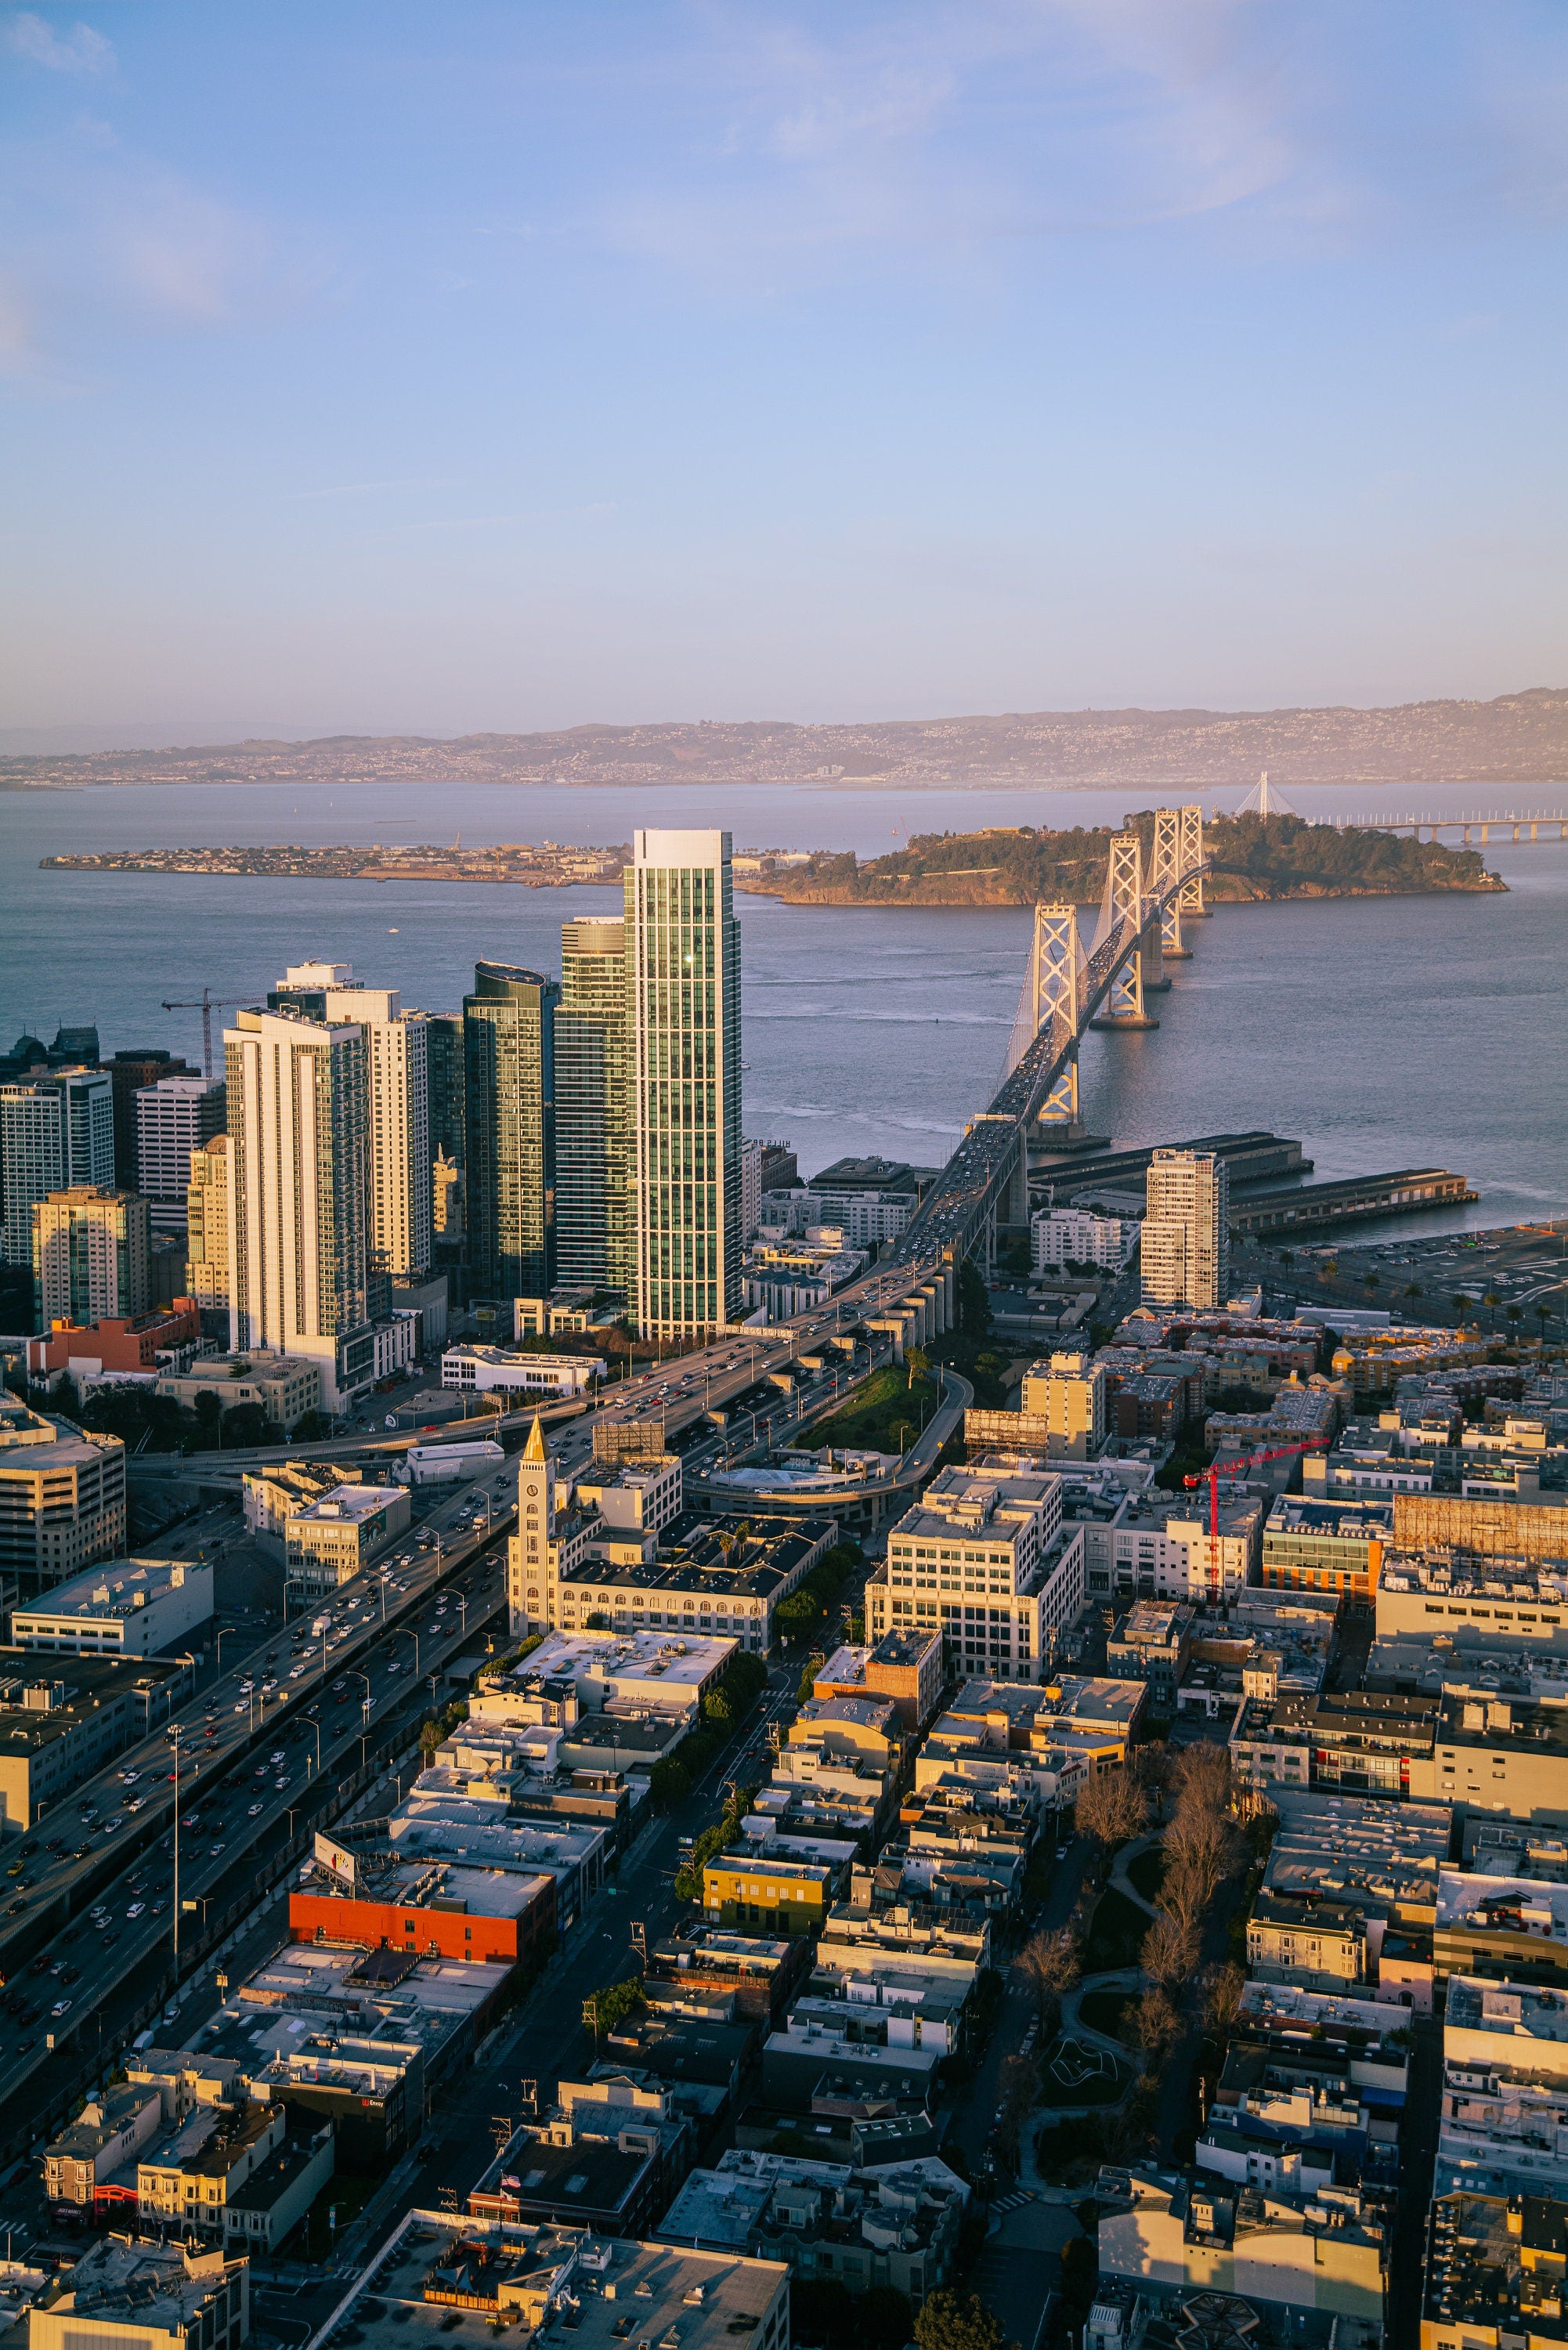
<point>128,1072</point>
<point>174,1117</point>
<point>299,1145</point>
<point>207,1224</point>
<point>1186,1236</point>
<point>397,1076</point>
<point>683,975</point>
<point>91,1250</point>
<point>56,1130</point>
<point>509,1074</point>
<point>595,1224</point>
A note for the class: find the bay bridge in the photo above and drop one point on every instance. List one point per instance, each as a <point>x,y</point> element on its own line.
<point>1067,990</point>
<point>1526,826</point>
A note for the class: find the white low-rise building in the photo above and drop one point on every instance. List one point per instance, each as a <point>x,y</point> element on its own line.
<point>127,1608</point>
<point>641,1667</point>
<point>449,1464</point>
<point>1072,1236</point>
<point>480,1370</point>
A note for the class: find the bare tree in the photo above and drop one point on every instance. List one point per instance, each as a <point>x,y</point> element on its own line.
<point>1219,1990</point>
<point>1049,1964</point>
<point>1201,1849</point>
<point>1156,2025</point>
<point>1183,1894</point>
<point>1154,1769</point>
<point>1202,1776</point>
<point>1110,1808</point>
<point>1169,1951</point>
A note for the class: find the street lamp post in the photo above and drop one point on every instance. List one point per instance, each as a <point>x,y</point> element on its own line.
<point>315,1726</point>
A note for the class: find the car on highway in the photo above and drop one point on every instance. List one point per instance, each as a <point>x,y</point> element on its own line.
<point>256,1809</point>
<point>61,2007</point>
<point>136,1909</point>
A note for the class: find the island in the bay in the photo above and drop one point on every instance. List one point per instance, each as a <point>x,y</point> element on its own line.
<point>1253,858</point>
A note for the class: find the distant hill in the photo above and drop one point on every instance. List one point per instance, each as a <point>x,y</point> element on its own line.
<point>1520,738</point>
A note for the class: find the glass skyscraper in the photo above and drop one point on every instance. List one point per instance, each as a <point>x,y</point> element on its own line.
<point>684,980</point>
<point>509,1068</point>
<point>595,1224</point>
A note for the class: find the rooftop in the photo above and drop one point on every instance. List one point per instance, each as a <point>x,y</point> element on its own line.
<point>119,1587</point>
<point>1352,1520</point>
<point>354,1503</point>
<point>1376,1855</point>
<point>43,1698</point>
<point>134,2282</point>
<point>682,1666</point>
<point>1512,2011</point>
<point>1504,1905</point>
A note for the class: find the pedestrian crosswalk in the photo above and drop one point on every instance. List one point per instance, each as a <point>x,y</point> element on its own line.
<point>1015,2202</point>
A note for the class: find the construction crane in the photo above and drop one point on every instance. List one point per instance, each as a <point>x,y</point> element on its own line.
<point>1217,1468</point>
<point>206,1007</point>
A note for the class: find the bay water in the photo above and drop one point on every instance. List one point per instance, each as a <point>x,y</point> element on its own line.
<point>1383,1032</point>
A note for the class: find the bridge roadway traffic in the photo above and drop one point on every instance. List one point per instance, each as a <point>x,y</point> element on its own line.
<point>954,1210</point>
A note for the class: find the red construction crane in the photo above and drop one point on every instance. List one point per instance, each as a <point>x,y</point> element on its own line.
<point>1217,1468</point>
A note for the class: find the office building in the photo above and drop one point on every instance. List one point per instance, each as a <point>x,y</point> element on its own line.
<point>173,1118</point>
<point>397,1081</point>
<point>984,1556</point>
<point>507,1371</point>
<point>57,1132</point>
<point>1514,1604</point>
<point>1493,2268</point>
<point>298,1188</point>
<point>683,972</point>
<point>1174,2235</point>
<point>692,1574</point>
<point>286,1386</point>
<point>1328,1546</point>
<point>1527,1520</point>
<point>62,1498</point>
<point>91,1250</point>
<point>509,1174</point>
<point>127,1608</point>
<point>331,1540</point>
<point>594,1228</point>
<point>1185,1240</point>
<point>129,1072</point>
<point>207,1225</point>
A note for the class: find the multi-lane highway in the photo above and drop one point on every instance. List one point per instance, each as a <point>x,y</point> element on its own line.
<point>96,1897</point>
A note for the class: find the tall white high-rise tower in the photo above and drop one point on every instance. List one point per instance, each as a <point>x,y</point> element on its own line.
<point>1185,1237</point>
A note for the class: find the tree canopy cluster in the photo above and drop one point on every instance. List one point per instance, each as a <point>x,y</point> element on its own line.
<point>1275,856</point>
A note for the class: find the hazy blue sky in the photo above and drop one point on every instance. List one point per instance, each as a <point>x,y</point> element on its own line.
<point>508,363</point>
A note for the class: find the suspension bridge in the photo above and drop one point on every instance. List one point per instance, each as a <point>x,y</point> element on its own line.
<point>1067,989</point>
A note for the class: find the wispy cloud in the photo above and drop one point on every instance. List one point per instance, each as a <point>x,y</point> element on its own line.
<point>102,233</point>
<point>82,50</point>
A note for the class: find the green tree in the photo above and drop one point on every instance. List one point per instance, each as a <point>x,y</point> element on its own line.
<point>311,1428</point>
<point>209,1410</point>
<point>1491,1302</point>
<point>668,1783</point>
<point>1370,1282</point>
<point>603,2010</point>
<point>1515,1314</point>
<point>1462,1305</point>
<point>918,1364</point>
<point>949,2320</point>
<point>597,1623</point>
<point>431,1737</point>
<point>884,2315</point>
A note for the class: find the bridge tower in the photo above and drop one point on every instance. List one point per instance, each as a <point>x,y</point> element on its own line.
<point>1192,906</point>
<point>1123,919</point>
<point>1055,990</point>
<point>1164,876</point>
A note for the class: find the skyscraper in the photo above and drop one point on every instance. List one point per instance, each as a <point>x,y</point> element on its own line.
<point>594,1199</point>
<point>449,1144</point>
<point>397,1075</point>
<point>90,1254</point>
<point>683,976</point>
<point>509,1073</point>
<point>1186,1234</point>
<point>298,1109</point>
<point>56,1130</point>
<point>207,1224</point>
<point>174,1116</point>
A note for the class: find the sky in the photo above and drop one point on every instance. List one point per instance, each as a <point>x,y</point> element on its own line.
<point>514,364</point>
